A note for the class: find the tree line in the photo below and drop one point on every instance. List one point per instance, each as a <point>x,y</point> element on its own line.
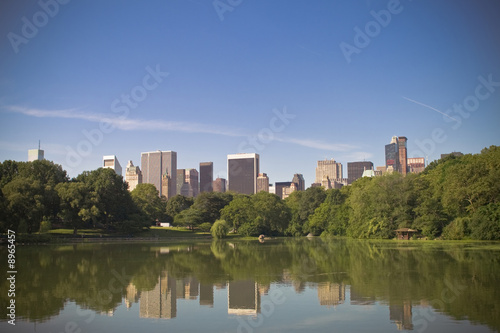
<point>454,198</point>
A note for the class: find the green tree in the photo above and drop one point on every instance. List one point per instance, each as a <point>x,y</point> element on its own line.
<point>271,213</point>
<point>189,218</point>
<point>146,198</point>
<point>78,206</point>
<point>219,229</point>
<point>302,205</point>
<point>8,170</point>
<point>380,205</point>
<point>239,211</point>
<point>485,222</point>
<point>332,215</point>
<point>211,203</point>
<point>24,204</point>
<point>177,204</point>
<point>112,199</point>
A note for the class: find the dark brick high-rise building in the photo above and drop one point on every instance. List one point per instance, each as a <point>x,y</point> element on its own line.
<point>355,170</point>
<point>242,171</point>
<point>206,176</point>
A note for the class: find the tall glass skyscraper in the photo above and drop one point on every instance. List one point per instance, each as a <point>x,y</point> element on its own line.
<point>155,164</point>
<point>242,172</point>
<point>206,176</point>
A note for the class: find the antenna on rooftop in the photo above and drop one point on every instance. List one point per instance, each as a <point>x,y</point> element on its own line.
<point>38,144</point>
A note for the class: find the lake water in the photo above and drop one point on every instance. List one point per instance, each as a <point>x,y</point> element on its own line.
<point>290,285</point>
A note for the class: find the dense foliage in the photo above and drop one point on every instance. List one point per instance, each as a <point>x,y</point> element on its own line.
<point>36,194</point>
<point>454,198</point>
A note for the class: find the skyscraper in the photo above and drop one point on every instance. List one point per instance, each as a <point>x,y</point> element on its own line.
<point>262,183</point>
<point>190,186</point>
<point>298,179</point>
<point>287,190</point>
<point>35,154</point>
<point>328,168</point>
<point>133,175</point>
<point>355,170</point>
<point>403,158</point>
<point>166,183</point>
<point>155,164</point>
<point>242,171</point>
<point>392,155</point>
<point>206,176</point>
<point>180,179</point>
<point>111,162</point>
<point>278,186</point>
<point>416,164</point>
<point>219,185</point>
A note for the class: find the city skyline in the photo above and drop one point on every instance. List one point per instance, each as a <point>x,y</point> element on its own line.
<point>297,82</point>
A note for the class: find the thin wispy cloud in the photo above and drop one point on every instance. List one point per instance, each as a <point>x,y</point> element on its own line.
<point>429,107</point>
<point>316,144</point>
<point>128,124</point>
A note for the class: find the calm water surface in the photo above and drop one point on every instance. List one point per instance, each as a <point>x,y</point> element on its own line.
<point>244,286</point>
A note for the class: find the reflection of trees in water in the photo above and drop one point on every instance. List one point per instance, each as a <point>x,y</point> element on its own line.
<point>452,278</point>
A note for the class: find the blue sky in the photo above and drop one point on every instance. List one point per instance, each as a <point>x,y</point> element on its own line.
<point>292,80</point>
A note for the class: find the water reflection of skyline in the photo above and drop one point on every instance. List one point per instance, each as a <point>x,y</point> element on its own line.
<point>244,297</point>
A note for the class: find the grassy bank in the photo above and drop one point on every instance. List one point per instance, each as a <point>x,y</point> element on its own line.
<point>153,233</point>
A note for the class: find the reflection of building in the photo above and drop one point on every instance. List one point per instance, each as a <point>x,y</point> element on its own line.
<point>242,171</point>
<point>219,185</point>
<point>331,294</point>
<point>243,297</point>
<point>206,176</point>
<point>155,164</point>
<point>401,315</point>
<point>262,183</point>
<point>132,295</point>
<point>160,302</point>
<point>111,162</point>
<point>187,288</point>
<point>133,176</point>
<point>358,299</point>
<point>207,294</point>
<point>355,170</point>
